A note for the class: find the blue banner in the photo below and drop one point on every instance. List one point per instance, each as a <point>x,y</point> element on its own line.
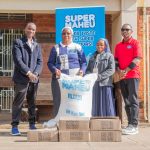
<point>88,24</point>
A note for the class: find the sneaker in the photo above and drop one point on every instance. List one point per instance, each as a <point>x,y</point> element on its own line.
<point>32,127</point>
<point>15,131</point>
<point>129,125</point>
<point>130,130</point>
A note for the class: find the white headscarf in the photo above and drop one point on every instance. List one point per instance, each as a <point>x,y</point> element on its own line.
<point>69,28</point>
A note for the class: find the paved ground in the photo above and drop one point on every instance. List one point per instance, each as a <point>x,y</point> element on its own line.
<point>140,141</point>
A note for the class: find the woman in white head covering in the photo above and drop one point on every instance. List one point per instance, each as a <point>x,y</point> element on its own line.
<point>68,58</point>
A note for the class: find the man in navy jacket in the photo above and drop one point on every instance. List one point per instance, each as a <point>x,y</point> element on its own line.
<point>28,63</point>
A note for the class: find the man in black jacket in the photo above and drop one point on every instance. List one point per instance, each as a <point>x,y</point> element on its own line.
<point>28,63</point>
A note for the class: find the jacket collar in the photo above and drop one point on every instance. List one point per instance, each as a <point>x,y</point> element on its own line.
<point>25,41</point>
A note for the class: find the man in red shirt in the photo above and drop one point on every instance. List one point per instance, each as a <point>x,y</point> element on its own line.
<point>127,56</point>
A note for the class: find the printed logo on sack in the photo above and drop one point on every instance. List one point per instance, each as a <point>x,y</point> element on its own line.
<point>74,97</point>
<point>77,85</point>
<point>74,113</point>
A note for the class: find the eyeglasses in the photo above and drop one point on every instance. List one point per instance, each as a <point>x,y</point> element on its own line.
<point>66,33</point>
<point>124,29</point>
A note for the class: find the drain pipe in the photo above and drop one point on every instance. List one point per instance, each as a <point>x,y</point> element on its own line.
<point>144,61</point>
<point>148,68</point>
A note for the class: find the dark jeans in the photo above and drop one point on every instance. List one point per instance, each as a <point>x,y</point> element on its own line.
<point>129,89</point>
<point>56,96</point>
<point>22,90</point>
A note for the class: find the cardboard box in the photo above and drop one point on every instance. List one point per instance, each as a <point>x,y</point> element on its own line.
<point>43,135</point>
<point>74,136</point>
<point>74,123</point>
<point>108,123</point>
<point>105,136</point>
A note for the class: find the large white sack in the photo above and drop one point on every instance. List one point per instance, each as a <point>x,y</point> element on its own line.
<point>76,97</point>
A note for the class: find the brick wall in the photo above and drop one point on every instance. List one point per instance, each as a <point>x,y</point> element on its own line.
<point>141,33</point>
<point>140,38</point>
<point>12,24</point>
<point>45,23</point>
<point>6,82</point>
<point>109,28</point>
<point>14,21</point>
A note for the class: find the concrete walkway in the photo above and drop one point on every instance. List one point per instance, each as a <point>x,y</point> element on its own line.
<point>140,141</point>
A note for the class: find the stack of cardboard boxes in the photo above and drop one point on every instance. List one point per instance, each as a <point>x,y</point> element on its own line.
<point>105,129</point>
<point>80,129</point>
<point>74,129</point>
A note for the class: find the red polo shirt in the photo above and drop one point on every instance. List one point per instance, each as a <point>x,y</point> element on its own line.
<point>125,52</point>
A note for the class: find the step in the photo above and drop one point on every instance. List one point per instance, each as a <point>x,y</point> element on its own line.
<point>5,116</point>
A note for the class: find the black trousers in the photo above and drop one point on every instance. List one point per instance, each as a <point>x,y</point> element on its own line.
<point>129,89</point>
<point>21,91</point>
<point>119,99</point>
<point>56,96</point>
